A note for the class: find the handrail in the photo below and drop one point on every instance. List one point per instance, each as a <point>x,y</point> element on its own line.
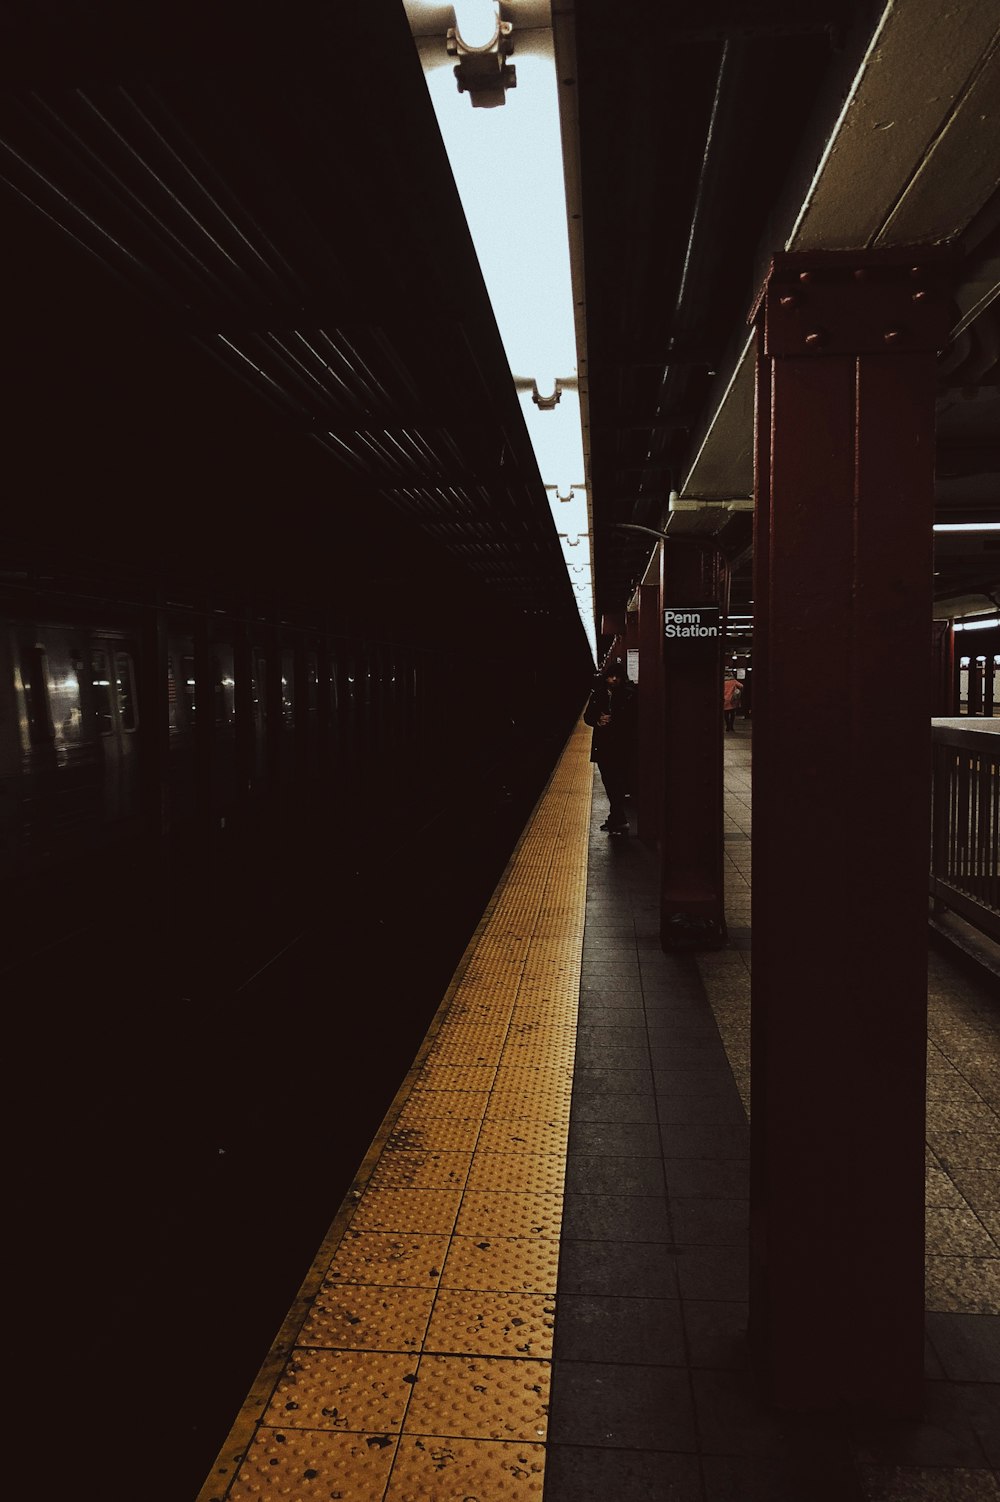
<point>965,820</point>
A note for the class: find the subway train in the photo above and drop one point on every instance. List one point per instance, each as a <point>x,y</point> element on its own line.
<point>195,743</point>
<point>238,710</point>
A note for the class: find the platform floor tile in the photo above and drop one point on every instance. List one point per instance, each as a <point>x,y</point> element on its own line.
<point>408,1168</point>
<point>455,1470</point>
<point>387,1259</point>
<point>424,1131</point>
<point>346,1316</point>
<point>300,1465</point>
<point>359,1391</point>
<point>480,1397</point>
<point>502,1262</point>
<point>489,1323</point>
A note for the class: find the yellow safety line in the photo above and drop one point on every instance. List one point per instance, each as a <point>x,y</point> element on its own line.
<point>416,1358</point>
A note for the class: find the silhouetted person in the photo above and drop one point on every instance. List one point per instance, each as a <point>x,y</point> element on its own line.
<point>611,710</point>
<point>732,696</point>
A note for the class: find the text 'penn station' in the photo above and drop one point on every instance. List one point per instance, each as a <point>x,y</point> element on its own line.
<point>691,623</point>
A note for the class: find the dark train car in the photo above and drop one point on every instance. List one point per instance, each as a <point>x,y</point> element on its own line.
<point>198,757</point>
<point>70,731</point>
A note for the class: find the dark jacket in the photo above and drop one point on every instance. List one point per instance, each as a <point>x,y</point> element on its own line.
<point>614,742</point>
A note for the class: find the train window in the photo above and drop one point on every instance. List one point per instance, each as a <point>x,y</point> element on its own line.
<point>258,695</point>
<point>65,703</point>
<point>225,685</point>
<point>334,702</point>
<point>171,694</point>
<point>189,688</point>
<point>101,681</point>
<point>125,683</point>
<point>260,687</point>
<point>34,679</point>
<point>348,683</point>
<point>288,687</point>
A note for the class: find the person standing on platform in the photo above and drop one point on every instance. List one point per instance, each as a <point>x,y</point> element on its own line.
<point>611,711</point>
<point>732,696</point>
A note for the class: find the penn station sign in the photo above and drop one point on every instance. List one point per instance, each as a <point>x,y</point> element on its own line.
<point>692,623</point>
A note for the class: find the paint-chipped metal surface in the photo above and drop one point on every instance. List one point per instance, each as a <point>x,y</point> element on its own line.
<point>421,1367</point>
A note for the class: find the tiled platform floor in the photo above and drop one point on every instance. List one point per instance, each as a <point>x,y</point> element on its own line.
<point>651,1395</point>
<point>423,1362</point>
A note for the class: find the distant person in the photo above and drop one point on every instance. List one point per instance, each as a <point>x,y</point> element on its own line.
<point>611,710</point>
<point>732,697</point>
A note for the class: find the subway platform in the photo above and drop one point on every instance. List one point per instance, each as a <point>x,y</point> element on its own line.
<point>537,1285</point>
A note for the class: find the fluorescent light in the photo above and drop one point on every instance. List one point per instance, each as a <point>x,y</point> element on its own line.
<point>990,623</point>
<point>477,23</point>
<point>967,526</point>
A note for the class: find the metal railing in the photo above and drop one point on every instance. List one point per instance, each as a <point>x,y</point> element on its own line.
<point>965,823</point>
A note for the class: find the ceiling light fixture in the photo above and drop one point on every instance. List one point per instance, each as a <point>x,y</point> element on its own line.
<point>546,403</point>
<point>482,44</point>
<point>967,526</point>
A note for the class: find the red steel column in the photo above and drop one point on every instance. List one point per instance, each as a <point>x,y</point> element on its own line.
<point>842,585</point>
<point>943,670</point>
<point>650,713</point>
<point>692,912</point>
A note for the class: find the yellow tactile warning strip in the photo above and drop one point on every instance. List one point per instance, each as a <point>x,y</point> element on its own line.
<point>416,1360</point>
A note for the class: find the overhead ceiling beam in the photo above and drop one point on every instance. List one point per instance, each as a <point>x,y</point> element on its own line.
<point>899,137</point>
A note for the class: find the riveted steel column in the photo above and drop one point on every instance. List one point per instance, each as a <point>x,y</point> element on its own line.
<point>843,566</point>
<point>650,713</point>
<point>692,914</point>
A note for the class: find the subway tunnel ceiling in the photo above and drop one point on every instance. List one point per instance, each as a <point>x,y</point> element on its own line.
<point>248,310</point>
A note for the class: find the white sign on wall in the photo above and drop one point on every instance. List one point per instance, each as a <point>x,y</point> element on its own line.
<point>691,623</point>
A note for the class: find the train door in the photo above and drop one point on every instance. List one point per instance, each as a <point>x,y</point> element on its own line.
<point>224,711</point>
<point>10,759</point>
<point>116,715</point>
<point>311,717</point>
<point>348,718</point>
<point>182,709</point>
<point>259,710</point>
<point>289,696</point>
<point>61,765</point>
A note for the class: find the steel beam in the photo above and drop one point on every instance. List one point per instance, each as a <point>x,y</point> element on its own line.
<point>842,590</point>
